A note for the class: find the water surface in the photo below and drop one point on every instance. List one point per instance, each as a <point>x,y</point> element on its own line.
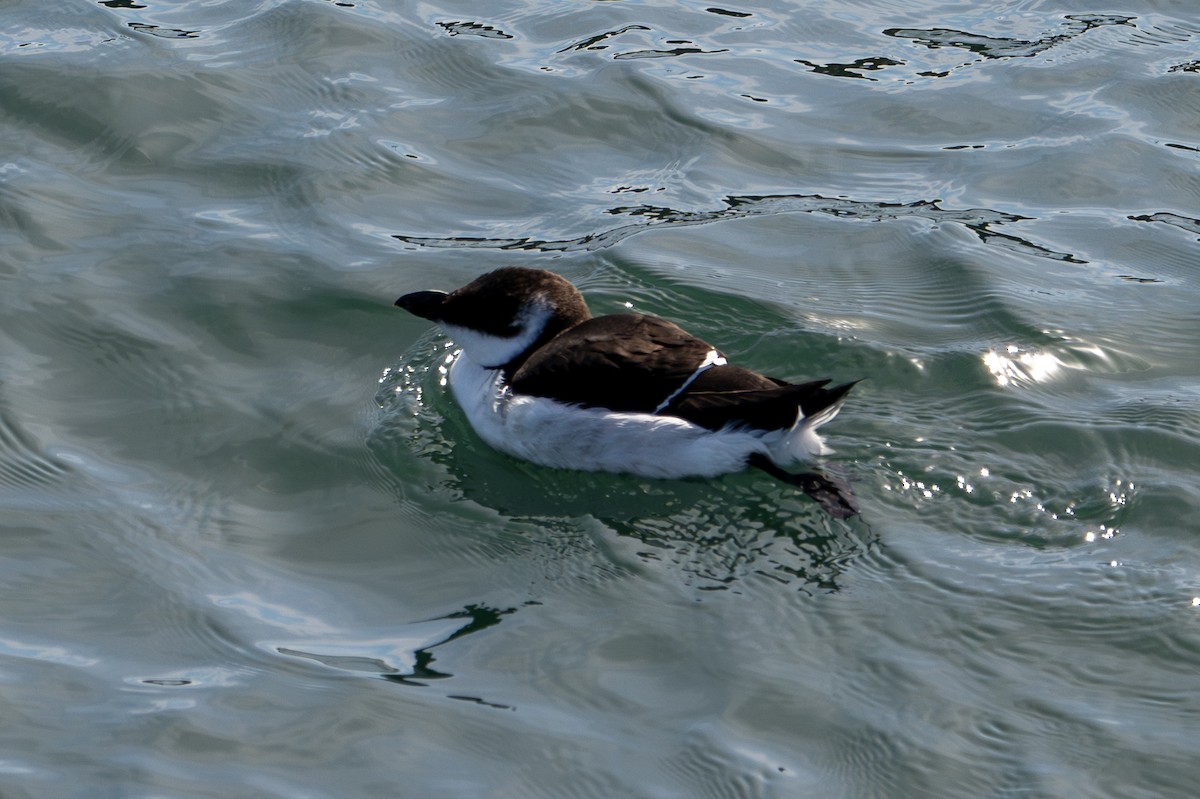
<point>251,547</point>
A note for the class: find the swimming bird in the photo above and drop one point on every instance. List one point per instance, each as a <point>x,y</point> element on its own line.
<point>541,379</point>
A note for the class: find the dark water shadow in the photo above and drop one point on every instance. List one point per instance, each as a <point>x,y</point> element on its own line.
<point>714,535</point>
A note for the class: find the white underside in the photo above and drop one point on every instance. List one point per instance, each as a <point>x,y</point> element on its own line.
<point>554,434</point>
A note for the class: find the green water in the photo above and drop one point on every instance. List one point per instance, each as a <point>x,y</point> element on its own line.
<point>250,547</point>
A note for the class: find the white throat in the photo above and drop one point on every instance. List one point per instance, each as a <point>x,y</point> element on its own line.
<point>491,351</point>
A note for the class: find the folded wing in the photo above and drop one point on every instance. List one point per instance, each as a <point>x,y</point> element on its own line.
<point>623,362</point>
<point>635,363</point>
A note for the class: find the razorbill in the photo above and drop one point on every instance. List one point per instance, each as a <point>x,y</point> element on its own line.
<point>540,378</point>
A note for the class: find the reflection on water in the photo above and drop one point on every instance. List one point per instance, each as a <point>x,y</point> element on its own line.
<point>979,221</point>
<point>852,69</point>
<point>1001,47</point>
<point>1181,222</point>
<point>404,657</point>
<point>725,547</point>
<point>473,29</point>
<point>1016,366</point>
<point>164,33</point>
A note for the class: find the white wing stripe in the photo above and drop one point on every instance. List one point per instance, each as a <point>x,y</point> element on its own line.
<point>713,358</point>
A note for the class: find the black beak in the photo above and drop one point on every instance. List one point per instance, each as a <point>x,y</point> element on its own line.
<point>425,304</point>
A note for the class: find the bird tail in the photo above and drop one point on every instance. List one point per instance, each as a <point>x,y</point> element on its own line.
<point>821,405</point>
<point>817,407</point>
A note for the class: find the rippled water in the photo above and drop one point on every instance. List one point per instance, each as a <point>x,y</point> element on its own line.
<point>251,548</point>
